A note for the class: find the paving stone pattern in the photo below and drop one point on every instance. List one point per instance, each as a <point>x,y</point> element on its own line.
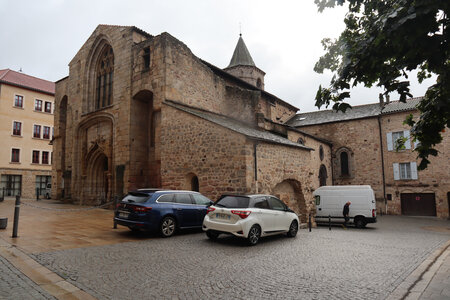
<point>15,285</point>
<point>323,264</point>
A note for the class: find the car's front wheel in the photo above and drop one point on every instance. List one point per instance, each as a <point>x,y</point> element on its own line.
<point>253,235</point>
<point>293,229</point>
<point>212,234</point>
<point>168,226</point>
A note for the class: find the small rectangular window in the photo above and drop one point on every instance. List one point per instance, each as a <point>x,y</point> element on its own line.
<point>48,107</point>
<point>35,157</point>
<point>317,200</point>
<point>45,157</point>
<point>17,128</point>
<point>405,170</point>
<point>37,131</point>
<point>389,197</point>
<point>18,101</point>
<point>38,105</point>
<point>15,155</point>
<point>46,133</point>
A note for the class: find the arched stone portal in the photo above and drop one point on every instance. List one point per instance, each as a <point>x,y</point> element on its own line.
<point>98,176</point>
<point>94,171</point>
<point>290,192</point>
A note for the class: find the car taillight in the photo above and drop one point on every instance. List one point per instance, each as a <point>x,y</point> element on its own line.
<point>373,213</point>
<point>141,208</point>
<point>210,209</point>
<point>241,213</point>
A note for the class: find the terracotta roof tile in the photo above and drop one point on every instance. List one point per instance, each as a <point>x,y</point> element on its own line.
<point>8,76</point>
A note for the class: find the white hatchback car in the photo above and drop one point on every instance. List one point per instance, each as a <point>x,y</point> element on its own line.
<point>250,217</point>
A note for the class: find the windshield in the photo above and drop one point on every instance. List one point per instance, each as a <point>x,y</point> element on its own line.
<point>136,197</point>
<point>233,202</point>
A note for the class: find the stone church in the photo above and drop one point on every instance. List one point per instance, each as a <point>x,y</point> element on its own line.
<point>139,110</point>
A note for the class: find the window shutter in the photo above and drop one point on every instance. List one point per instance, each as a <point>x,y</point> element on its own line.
<point>396,172</point>
<point>414,170</point>
<point>408,141</point>
<point>389,141</point>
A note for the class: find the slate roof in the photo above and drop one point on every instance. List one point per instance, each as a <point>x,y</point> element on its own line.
<point>396,106</point>
<point>241,55</point>
<point>329,116</point>
<point>22,80</point>
<point>357,112</point>
<point>236,126</point>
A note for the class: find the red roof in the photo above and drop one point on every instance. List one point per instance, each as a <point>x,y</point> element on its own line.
<point>11,77</point>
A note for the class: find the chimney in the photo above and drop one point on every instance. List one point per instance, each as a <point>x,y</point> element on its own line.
<point>387,99</point>
<point>380,96</point>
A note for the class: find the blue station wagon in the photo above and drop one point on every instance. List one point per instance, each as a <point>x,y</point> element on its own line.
<point>161,210</point>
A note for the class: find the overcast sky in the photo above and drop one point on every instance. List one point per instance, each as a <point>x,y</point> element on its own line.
<point>283,37</point>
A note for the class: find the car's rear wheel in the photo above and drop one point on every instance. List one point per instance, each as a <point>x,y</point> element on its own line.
<point>253,235</point>
<point>293,229</point>
<point>212,234</point>
<point>168,226</point>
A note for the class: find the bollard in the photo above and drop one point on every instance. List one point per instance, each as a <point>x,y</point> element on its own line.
<point>37,194</point>
<point>16,217</point>
<point>115,207</point>
<point>329,222</point>
<point>309,225</point>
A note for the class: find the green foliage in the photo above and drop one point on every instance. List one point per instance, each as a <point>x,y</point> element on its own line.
<point>382,41</point>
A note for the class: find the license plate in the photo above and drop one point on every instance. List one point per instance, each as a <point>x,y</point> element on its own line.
<point>123,214</point>
<point>222,216</point>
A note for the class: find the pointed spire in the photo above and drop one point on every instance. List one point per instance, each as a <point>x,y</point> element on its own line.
<point>241,55</point>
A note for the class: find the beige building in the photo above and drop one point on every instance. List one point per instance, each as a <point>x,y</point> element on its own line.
<point>364,152</point>
<point>143,111</point>
<point>26,129</point>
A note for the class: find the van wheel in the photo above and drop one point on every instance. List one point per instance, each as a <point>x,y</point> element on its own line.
<point>293,229</point>
<point>360,223</point>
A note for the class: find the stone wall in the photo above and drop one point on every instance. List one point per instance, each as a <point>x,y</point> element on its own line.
<point>362,139</point>
<point>434,179</point>
<point>191,145</point>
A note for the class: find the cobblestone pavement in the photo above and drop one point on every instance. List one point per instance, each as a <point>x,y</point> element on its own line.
<point>15,285</point>
<point>337,264</point>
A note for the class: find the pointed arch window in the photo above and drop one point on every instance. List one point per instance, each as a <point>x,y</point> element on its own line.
<point>344,164</point>
<point>104,76</point>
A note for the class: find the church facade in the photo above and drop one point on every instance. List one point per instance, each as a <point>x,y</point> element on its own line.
<point>142,111</point>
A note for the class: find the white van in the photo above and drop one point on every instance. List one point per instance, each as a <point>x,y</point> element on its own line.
<point>330,201</point>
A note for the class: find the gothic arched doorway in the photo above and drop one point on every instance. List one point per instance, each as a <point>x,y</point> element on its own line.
<point>97,177</point>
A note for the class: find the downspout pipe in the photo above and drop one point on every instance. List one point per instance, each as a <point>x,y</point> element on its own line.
<point>382,162</point>
<point>255,159</point>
